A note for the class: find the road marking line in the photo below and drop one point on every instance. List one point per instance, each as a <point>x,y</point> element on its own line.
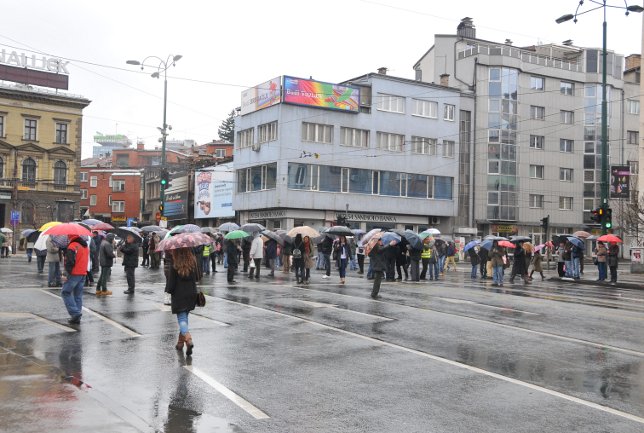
<point>337,307</point>
<point>316,304</point>
<point>230,395</point>
<point>480,304</point>
<point>167,308</point>
<point>558,394</point>
<point>39,318</point>
<point>105,319</point>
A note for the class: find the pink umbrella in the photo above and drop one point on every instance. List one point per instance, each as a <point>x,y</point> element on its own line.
<point>184,240</point>
<point>506,244</point>
<point>69,229</point>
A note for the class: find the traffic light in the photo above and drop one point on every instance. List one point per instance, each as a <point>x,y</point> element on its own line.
<point>165,179</point>
<point>161,209</point>
<point>607,221</point>
<point>544,222</point>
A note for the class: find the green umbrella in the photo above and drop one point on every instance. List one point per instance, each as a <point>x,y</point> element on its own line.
<point>424,235</point>
<point>236,234</point>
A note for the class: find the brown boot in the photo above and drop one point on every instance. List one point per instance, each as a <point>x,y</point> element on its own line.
<point>189,344</point>
<point>180,342</point>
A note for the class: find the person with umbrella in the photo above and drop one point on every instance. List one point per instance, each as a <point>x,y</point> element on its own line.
<point>232,252</point>
<point>145,248</point>
<point>537,264</point>
<point>53,258</point>
<point>613,255</point>
<point>106,261</point>
<point>379,264</point>
<point>601,252</point>
<point>483,259</point>
<point>182,286</point>
<point>76,263</point>
<point>518,265</point>
<point>342,254</point>
<point>360,253</point>
<point>287,252</point>
<point>474,261</point>
<point>130,251</point>
<point>6,243</point>
<point>155,257</point>
<point>497,254</point>
<point>270,253</point>
<point>298,258</point>
<point>577,255</point>
<point>326,248</point>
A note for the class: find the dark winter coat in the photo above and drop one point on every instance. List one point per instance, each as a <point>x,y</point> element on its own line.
<point>232,252</point>
<point>130,255</point>
<point>183,290</point>
<point>377,257</point>
<point>613,252</point>
<point>518,267</point>
<point>106,251</point>
<point>474,258</point>
<point>271,249</point>
<point>326,246</point>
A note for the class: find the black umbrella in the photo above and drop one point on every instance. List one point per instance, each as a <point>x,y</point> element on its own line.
<point>272,235</point>
<point>283,234</point>
<point>413,239</point>
<point>340,231</point>
<point>33,236</point>
<point>252,227</point>
<point>123,232</point>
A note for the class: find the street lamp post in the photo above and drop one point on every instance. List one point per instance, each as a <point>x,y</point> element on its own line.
<point>161,67</point>
<point>604,121</point>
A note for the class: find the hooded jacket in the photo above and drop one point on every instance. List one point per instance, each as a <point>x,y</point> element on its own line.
<point>106,251</point>
<point>77,257</point>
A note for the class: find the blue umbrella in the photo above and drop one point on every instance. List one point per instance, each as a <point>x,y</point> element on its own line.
<point>25,233</point>
<point>471,244</point>
<point>390,236</point>
<point>487,244</point>
<point>576,241</point>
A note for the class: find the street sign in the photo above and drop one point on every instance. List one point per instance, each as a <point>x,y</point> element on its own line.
<point>15,217</point>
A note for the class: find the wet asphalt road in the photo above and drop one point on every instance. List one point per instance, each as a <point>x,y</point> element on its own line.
<point>272,356</point>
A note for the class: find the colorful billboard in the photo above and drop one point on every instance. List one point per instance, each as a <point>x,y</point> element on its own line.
<point>176,205</point>
<point>322,95</point>
<point>620,181</point>
<point>214,192</point>
<point>262,96</point>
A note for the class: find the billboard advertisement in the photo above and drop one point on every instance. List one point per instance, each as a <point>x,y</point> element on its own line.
<point>620,181</point>
<point>176,205</point>
<point>261,96</point>
<point>322,95</point>
<point>214,192</point>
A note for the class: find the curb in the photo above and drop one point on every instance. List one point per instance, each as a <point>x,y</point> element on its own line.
<point>618,285</point>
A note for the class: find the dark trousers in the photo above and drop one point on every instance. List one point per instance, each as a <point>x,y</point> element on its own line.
<point>129,275</point>
<point>361,263</point>
<point>327,263</point>
<point>423,274</point>
<point>251,271</point>
<point>4,252</point>
<point>230,274</point>
<point>560,269</point>
<point>213,260</point>
<point>40,261</point>
<point>391,268</point>
<point>414,269</point>
<point>146,258</point>
<point>613,274</point>
<point>106,271</point>
<point>401,266</point>
<point>483,268</point>
<point>377,279</point>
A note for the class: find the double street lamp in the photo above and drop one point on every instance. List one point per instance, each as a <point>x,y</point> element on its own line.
<point>161,67</point>
<point>604,121</point>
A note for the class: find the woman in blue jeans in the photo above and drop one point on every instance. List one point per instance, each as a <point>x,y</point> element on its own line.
<point>182,286</point>
<point>342,255</point>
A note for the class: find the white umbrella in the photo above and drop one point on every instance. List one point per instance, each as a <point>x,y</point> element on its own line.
<point>433,231</point>
<point>6,230</point>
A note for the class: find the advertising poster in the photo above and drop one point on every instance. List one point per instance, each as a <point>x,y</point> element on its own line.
<point>176,205</point>
<point>214,192</point>
<point>261,96</point>
<point>620,180</point>
<point>312,93</point>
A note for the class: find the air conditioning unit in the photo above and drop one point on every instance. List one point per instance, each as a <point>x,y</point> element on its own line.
<point>255,147</point>
<point>434,220</point>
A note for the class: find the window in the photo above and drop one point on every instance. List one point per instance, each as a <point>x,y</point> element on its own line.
<point>536,141</point>
<point>567,88</point>
<point>565,203</point>
<point>536,201</point>
<point>220,153</point>
<point>1,126</point>
<point>257,178</point>
<point>61,133</point>
<point>317,133</point>
<point>93,181</point>
<point>31,126</point>
<point>537,113</point>
<point>390,183</point>
<point>448,148</point>
<point>1,167</point>
<point>245,138</point>
<point>118,206</point>
<point>29,171</point>
<point>536,171</point>
<point>60,175</point>
<point>567,117</point>
<point>109,200</point>
<point>566,145</point>
<point>92,200</point>
<point>633,106</point>
<point>267,132</point>
<point>632,137</point>
<point>537,83</point>
<point>448,112</point>
<point>391,142</point>
<point>565,174</point>
<point>391,103</point>
<point>118,185</point>
<point>425,108</point>
<point>442,187</point>
<point>354,137</point>
<point>83,194</point>
<point>302,176</point>
<point>83,176</point>
<point>423,145</point>
<point>330,178</point>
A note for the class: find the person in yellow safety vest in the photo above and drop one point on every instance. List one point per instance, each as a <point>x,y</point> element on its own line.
<point>425,255</point>
<point>205,259</point>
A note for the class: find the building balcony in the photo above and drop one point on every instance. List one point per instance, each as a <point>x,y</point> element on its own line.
<point>525,56</point>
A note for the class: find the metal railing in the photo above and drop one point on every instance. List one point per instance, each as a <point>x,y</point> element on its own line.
<point>523,55</point>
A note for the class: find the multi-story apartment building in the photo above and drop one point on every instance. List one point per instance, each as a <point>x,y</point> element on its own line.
<point>40,152</point>
<point>537,133</point>
<point>110,194</point>
<point>378,150</point>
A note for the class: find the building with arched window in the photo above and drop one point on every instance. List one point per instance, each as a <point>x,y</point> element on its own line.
<point>40,152</point>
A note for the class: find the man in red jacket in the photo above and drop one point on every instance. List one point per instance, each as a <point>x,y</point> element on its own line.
<point>76,261</point>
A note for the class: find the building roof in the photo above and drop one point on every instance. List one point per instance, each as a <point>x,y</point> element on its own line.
<point>39,94</point>
<point>402,80</point>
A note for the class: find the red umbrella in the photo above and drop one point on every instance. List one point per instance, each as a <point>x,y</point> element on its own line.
<point>102,226</point>
<point>69,229</point>
<point>506,244</point>
<point>184,240</point>
<point>609,238</point>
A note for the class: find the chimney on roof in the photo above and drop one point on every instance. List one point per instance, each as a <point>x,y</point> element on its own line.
<point>466,28</point>
<point>633,61</point>
<point>508,42</point>
<point>140,145</point>
<point>382,71</point>
<point>444,80</point>
<point>567,43</point>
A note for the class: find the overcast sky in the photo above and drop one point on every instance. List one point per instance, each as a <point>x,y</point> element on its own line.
<point>228,46</point>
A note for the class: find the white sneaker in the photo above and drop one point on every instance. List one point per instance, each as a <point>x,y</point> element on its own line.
<point>325,277</point>
<point>168,299</point>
